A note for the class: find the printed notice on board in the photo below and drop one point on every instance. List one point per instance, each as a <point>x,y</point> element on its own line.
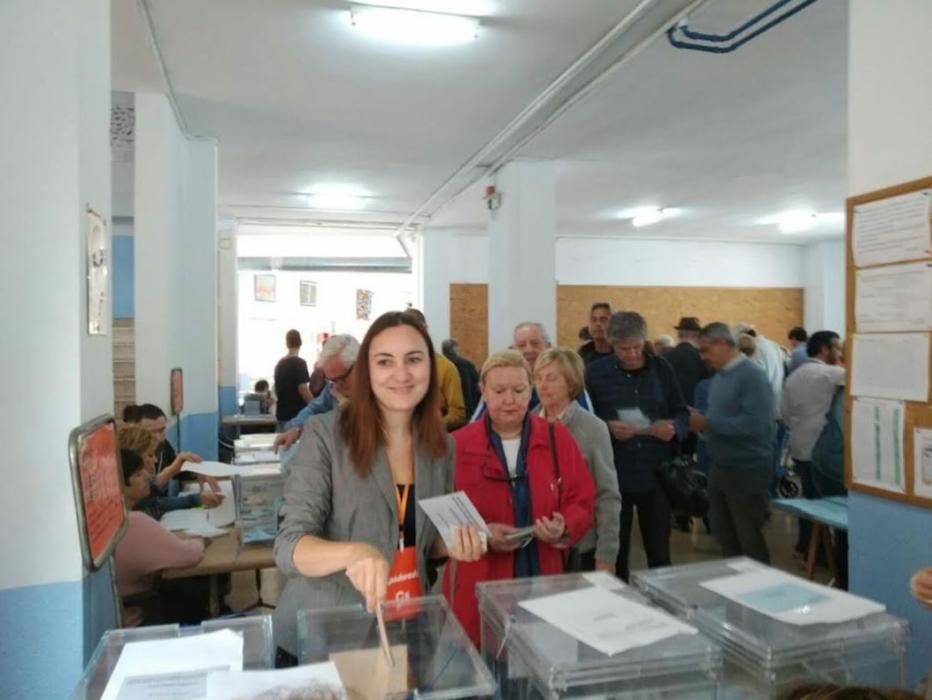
<point>922,462</point>
<point>896,298</point>
<point>877,444</point>
<point>893,230</point>
<point>891,366</point>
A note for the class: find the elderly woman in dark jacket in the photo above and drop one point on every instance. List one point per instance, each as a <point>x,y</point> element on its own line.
<point>637,395</point>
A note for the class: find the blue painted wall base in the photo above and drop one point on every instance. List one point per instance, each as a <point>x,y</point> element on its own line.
<point>888,542</point>
<point>199,434</point>
<point>229,405</point>
<point>42,643</point>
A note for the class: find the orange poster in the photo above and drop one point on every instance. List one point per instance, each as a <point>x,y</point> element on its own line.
<point>101,490</point>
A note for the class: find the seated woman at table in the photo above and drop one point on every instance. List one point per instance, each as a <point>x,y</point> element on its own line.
<point>147,547</point>
<point>157,501</point>
<point>351,531</point>
<point>520,471</point>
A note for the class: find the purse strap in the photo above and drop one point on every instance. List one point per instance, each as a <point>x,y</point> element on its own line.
<point>556,461</point>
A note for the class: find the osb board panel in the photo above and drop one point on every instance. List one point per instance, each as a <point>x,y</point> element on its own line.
<point>469,320</point>
<point>773,311</point>
<point>918,413</point>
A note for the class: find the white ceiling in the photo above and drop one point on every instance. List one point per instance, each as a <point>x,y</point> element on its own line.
<point>297,99</point>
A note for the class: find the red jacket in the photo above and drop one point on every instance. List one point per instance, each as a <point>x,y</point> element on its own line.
<point>475,458</point>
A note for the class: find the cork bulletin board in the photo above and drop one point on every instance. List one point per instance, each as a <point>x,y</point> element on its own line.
<point>773,310</point>
<point>469,320</point>
<point>889,307</point>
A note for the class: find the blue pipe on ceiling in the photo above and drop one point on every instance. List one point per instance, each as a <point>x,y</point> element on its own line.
<point>724,43</point>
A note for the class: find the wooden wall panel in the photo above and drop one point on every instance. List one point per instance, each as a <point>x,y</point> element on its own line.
<point>469,320</point>
<point>773,311</point>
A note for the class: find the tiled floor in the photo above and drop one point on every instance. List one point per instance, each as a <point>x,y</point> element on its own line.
<point>695,546</point>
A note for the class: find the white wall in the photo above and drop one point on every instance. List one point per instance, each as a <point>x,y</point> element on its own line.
<point>175,259</point>
<point>825,286</point>
<point>54,160</point>
<point>262,325</point>
<point>644,262</point>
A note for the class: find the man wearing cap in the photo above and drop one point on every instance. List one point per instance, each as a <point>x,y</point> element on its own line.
<point>685,358</point>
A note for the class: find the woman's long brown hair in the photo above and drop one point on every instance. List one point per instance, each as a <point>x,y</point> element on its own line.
<point>362,424</point>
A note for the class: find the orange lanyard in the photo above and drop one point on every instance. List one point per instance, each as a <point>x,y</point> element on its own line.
<point>402,503</point>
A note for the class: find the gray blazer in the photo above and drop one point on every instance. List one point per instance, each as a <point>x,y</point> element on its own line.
<point>595,442</point>
<point>325,497</point>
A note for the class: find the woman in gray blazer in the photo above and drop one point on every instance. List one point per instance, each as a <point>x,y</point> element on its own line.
<point>559,376</point>
<point>351,531</point>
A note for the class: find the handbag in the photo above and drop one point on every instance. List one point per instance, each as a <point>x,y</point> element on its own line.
<point>686,487</point>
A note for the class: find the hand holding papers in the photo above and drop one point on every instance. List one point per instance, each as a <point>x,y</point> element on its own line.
<point>450,512</point>
<point>791,599</point>
<point>634,416</point>
<point>605,621</point>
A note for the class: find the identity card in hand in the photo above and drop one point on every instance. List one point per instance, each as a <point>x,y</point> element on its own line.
<point>452,511</point>
<point>634,416</point>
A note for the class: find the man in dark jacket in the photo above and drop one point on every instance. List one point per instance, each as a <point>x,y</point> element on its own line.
<point>636,394</point>
<point>688,365</point>
<point>469,376</point>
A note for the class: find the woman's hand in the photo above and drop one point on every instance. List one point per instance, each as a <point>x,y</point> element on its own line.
<point>175,467</point>
<point>921,585</point>
<point>663,430</point>
<point>497,541</point>
<point>468,544</point>
<point>209,481</point>
<point>368,573</point>
<point>622,431</point>
<point>210,499</point>
<point>550,530</point>
<point>606,566</point>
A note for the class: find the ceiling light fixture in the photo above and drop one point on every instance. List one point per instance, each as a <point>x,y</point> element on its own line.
<point>413,27</point>
<point>796,221</point>
<point>337,197</point>
<point>646,216</point>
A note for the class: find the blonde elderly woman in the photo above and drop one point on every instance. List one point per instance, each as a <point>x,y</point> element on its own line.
<point>520,472</point>
<point>558,377</point>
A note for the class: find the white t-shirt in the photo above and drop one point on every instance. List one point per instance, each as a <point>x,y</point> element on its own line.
<point>512,448</point>
<point>807,397</point>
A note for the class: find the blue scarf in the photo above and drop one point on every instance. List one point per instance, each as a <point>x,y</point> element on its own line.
<point>526,562</point>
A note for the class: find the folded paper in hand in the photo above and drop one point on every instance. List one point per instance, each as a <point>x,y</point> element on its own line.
<point>452,511</point>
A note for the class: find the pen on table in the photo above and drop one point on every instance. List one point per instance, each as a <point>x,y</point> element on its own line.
<point>383,636</point>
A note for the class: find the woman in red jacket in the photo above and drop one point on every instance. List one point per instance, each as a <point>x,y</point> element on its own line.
<point>505,464</point>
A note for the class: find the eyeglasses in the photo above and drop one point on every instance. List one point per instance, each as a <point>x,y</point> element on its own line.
<point>342,378</point>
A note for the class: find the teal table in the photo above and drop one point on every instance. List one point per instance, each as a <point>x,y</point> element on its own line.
<point>825,514</point>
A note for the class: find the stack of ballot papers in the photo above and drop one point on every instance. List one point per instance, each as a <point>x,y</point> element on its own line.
<point>204,522</point>
<point>452,511</point>
<point>319,681</point>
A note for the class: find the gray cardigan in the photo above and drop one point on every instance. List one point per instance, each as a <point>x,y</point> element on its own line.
<point>325,497</point>
<point>595,442</point>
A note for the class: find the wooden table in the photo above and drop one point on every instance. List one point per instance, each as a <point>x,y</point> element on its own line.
<point>824,513</point>
<point>225,555</point>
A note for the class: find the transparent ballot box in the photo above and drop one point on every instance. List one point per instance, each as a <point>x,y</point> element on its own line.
<point>256,631</point>
<point>432,658</point>
<point>766,656</point>
<point>533,658</point>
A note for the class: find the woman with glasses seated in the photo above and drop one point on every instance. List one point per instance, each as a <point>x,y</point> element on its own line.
<point>528,480</point>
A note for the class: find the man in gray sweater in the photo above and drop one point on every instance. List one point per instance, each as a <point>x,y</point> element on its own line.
<point>739,433</point>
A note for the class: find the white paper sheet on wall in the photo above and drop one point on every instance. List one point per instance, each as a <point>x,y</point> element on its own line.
<point>922,462</point>
<point>892,230</point>
<point>891,366</point>
<point>896,298</point>
<point>877,444</point>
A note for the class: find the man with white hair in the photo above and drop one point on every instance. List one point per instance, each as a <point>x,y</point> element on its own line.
<point>530,338</point>
<point>336,361</point>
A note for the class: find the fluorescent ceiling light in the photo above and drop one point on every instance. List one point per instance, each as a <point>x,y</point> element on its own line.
<point>413,27</point>
<point>646,217</point>
<point>337,197</point>
<point>796,221</point>
<point>472,8</point>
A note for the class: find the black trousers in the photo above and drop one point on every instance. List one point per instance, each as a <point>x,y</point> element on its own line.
<point>653,511</point>
<point>739,500</point>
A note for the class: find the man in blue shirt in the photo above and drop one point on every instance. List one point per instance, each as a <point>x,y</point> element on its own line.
<point>798,355</point>
<point>337,358</point>
<point>738,428</point>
